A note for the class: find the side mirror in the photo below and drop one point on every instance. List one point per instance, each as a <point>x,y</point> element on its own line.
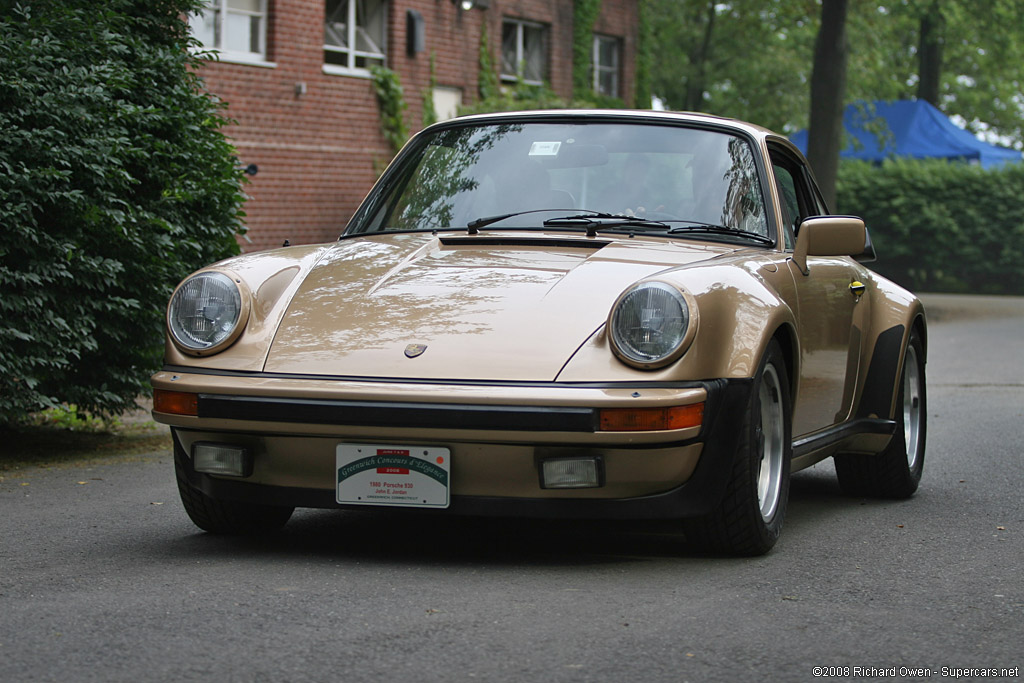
<point>868,255</point>
<point>829,236</point>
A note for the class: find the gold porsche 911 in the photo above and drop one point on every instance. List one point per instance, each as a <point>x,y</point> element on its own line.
<point>630,315</point>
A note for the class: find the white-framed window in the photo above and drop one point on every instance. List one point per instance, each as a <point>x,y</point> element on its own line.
<point>237,29</point>
<point>524,53</point>
<point>354,35</point>
<point>605,65</point>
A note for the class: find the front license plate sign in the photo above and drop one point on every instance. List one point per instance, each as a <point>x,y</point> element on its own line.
<point>402,476</point>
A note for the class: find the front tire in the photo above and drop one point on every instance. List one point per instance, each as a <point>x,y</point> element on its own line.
<point>749,518</point>
<point>896,471</point>
<point>224,516</point>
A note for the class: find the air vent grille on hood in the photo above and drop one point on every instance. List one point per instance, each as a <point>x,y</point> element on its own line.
<point>509,241</point>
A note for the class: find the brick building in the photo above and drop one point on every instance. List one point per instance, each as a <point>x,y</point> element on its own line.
<point>295,74</point>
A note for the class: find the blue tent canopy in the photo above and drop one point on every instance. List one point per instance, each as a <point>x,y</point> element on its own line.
<point>910,128</point>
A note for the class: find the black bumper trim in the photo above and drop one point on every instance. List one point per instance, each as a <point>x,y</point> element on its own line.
<point>395,414</point>
<point>727,401</point>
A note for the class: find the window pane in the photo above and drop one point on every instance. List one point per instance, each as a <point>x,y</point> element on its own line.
<point>608,83</point>
<point>371,20</point>
<point>366,62</point>
<point>608,52</point>
<point>535,62</point>
<point>509,49</point>
<point>246,5</point>
<point>336,23</point>
<point>241,33</point>
<point>204,27</point>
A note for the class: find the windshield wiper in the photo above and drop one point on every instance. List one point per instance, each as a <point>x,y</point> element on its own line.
<point>697,226</point>
<point>607,219</point>
<point>478,223</point>
<point>589,219</point>
<point>595,219</point>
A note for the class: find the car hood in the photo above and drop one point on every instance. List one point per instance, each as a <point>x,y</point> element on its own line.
<point>502,306</point>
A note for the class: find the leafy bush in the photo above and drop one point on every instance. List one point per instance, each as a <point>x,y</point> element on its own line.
<point>941,226</point>
<point>115,182</point>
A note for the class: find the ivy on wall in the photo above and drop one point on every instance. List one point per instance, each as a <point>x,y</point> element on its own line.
<point>488,83</point>
<point>429,111</point>
<point>584,15</point>
<point>391,100</point>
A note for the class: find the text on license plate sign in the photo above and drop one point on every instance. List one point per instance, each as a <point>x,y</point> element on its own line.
<point>406,476</point>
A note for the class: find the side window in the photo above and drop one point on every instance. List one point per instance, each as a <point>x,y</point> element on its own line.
<point>790,205</point>
<point>800,200</point>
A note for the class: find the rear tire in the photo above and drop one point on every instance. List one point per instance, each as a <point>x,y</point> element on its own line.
<point>749,518</point>
<point>225,516</point>
<point>896,471</point>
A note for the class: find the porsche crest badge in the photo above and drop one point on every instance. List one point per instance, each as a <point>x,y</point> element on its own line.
<point>413,350</point>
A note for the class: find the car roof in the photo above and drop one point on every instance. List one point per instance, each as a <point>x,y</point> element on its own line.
<point>626,115</point>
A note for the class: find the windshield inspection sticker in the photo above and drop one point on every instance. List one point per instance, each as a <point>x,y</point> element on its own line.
<point>544,149</point>
<point>405,476</point>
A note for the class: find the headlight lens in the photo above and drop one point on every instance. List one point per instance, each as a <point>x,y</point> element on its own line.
<point>649,324</point>
<point>205,312</point>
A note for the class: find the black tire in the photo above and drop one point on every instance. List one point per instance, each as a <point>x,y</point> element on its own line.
<point>225,516</point>
<point>896,471</point>
<point>749,518</point>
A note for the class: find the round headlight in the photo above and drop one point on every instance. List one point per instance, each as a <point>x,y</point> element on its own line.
<point>649,325</point>
<point>206,313</point>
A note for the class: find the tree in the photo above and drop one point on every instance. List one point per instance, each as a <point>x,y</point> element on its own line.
<point>746,59</point>
<point>929,50</point>
<point>754,60</point>
<point>828,89</point>
<point>115,182</point>
<point>965,57</point>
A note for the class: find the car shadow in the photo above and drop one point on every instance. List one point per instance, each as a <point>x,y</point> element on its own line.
<point>425,538</point>
<point>403,537</point>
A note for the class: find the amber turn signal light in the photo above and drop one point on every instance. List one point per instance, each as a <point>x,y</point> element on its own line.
<point>175,402</point>
<point>651,419</point>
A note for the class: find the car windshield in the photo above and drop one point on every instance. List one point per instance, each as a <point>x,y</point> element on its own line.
<point>522,174</point>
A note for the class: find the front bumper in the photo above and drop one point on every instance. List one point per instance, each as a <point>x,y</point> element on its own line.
<point>497,435</point>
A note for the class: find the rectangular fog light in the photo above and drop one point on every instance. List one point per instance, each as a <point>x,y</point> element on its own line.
<point>571,473</point>
<point>221,458</point>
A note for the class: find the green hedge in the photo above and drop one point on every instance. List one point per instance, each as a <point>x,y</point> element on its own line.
<point>939,226</point>
<point>115,182</point>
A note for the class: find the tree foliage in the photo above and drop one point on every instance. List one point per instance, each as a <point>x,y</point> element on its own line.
<point>115,182</point>
<point>747,59</point>
<point>976,61</point>
<point>752,59</point>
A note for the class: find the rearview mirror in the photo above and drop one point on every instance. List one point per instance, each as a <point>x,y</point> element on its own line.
<point>829,236</point>
<point>578,156</point>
